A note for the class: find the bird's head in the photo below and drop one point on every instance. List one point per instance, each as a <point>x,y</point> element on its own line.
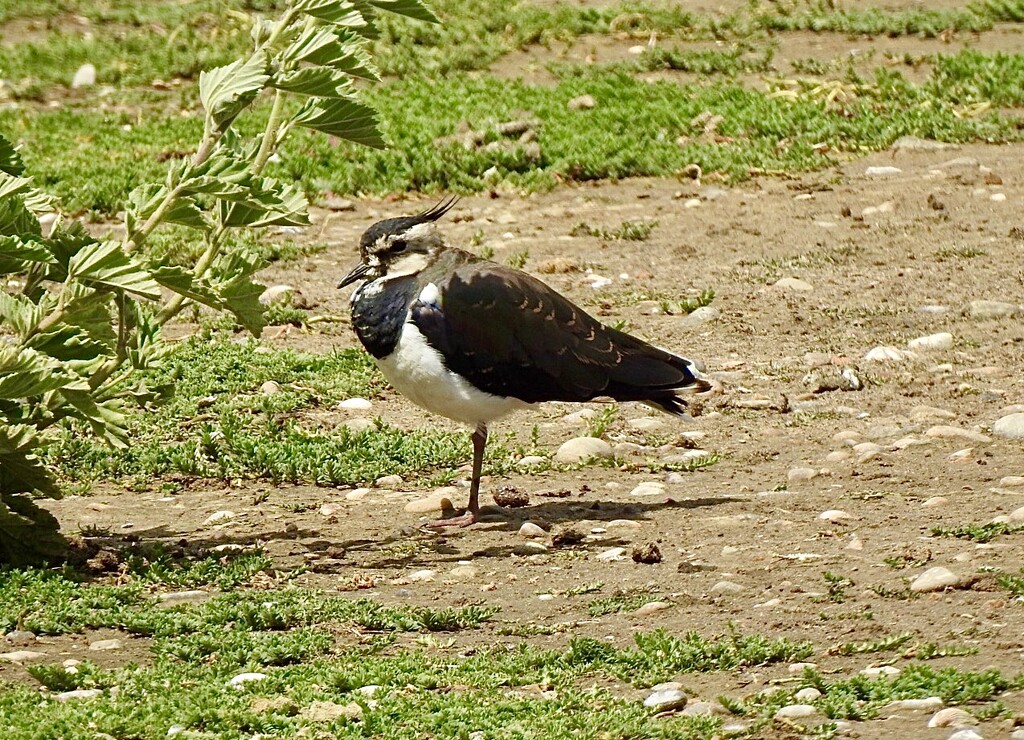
<point>401,245</point>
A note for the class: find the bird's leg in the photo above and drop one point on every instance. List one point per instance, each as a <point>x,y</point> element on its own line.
<point>473,510</point>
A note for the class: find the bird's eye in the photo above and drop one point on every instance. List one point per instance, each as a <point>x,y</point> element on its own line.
<point>399,245</point>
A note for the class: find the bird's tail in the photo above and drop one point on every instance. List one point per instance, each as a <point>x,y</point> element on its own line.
<point>674,400</point>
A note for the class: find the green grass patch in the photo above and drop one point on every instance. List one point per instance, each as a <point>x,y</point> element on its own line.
<point>1012,583</point>
<point>627,600</point>
<point>981,533</point>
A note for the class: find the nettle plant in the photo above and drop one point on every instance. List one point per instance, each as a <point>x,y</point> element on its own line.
<point>81,318</point>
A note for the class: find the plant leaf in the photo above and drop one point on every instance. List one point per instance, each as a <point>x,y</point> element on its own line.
<point>29,535</point>
<point>226,91</point>
<point>105,418</point>
<point>20,470</point>
<point>10,160</point>
<point>18,311</point>
<point>345,119</point>
<point>339,50</point>
<point>242,298</point>
<point>289,208</point>
<point>410,8</point>
<point>26,372</point>
<point>338,12</point>
<point>106,264</point>
<point>321,82</point>
<point>181,281</point>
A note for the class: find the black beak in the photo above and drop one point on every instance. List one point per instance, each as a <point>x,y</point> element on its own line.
<point>358,272</point>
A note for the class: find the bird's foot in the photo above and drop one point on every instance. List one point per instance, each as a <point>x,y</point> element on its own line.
<point>463,520</point>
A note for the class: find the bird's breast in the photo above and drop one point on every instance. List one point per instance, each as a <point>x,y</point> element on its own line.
<point>379,310</point>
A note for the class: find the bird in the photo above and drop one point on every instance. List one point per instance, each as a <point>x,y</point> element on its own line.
<point>472,340</point>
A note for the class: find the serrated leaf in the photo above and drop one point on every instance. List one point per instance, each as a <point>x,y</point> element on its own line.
<point>29,535</point>
<point>10,160</point>
<point>339,12</point>
<point>409,8</point>
<point>345,119</point>
<point>20,470</point>
<point>106,264</point>
<point>15,252</point>
<point>242,298</point>
<point>16,219</point>
<point>25,373</point>
<point>68,344</point>
<point>226,91</point>
<point>290,208</point>
<point>181,281</point>
<point>93,313</point>
<point>186,212</point>
<point>105,418</point>
<point>340,50</point>
<point>19,312</point>
<point>320,82</point>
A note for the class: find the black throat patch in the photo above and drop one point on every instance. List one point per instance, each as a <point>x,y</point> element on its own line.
<point>379,310</point>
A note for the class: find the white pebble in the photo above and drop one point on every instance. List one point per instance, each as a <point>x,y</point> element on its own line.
<point>421,576</point>
<point>801,667</point>
<point>85,76</point>
<point>355,404</point>
<point>665,699</point>
<point>942,340</point>
<point>952,717</point>
<point>835,516</point>
<point>930,704</point>
<point>882,171</point>
<point>1017,515</point>
<point>997,197</point>
<point>727,588</point>
<point>942,431</point>
<point>244,678</point>
<point>582,448</point>
<point>791,283</point>
<point>934,579</point>
<point>797,475</point>
<point>1009,427</point>
<point>388,481</point>
<point>888,354</point>
<point>935,501</point>
<point>797,711</point>
<point>615,553</point>
<point>652,607</point>
<point>65,696</point>
<point>218,516</point>
<point>649,488</point>
<point>880,670</point>
<point>529,529</point>
<point>807,694</point>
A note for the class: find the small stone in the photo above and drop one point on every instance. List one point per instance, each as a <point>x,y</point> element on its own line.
<point>726,588</point>
<point>277,295</point>
<point>648,554</point>
<point>929,704</point>
<point>934,501</point>
<point>511,497</point>
<point>389,481</point>
<point>359,494</point>
<point>218,516</point>
<point>808,694</point>
<point>942,340</point>
<point>421,576</point>
<point>888,354</point>
<point>837,456</point>
<point>652,607</point>
<point>114,644</point>
<point>950,432</point>
<point>791,283</point>
<point>1012,481</point>
<point>85,76</point>
<point>1017,734</point>
<point>702,315</point>
<point>329,510</point>
<point>1016,516</point>
<point>952,717</point>
<point>797,711</point>
<point>440,500</point>
<point>335,203</point>
<point>270,387</point>
<point>20,656</point>
<point>666,699</point>
<point>934,579</point>
<point>649,488</point>
<point>615,553</point>
<point>244,678</point>
<point>997,197</point>
<point>915,143</point>
<point>531,461</point>
<point>77,695</point>
<point>21,637</point>
<point>645,424</point>
<point>355,404</point>
<point>882,171</point>
<point>884,207</point>
<point>369,691</point>
<point>624,524</point>
<point>358,425</point>
<point>835,516</point>
<point>797,475</point>
<point>583,102</point>
<point>1009,427</point>
<point>182,597</point>
<point>961,163</point>
<point>873,671</point>
<point>801,667</point>
<point>583,448</point>
<point>463,572</point>
<point>529,529</point>
<point>328,711</point>
<point>991,310</point>
<point>530,548</point>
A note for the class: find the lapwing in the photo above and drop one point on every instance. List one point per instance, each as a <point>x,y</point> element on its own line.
<point>472,340</point>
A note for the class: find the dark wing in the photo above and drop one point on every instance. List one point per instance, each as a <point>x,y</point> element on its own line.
<point>510,334</point>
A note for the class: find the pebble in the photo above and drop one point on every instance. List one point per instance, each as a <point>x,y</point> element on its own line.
<point>583,102</point>
<point>20,656</point>
<point>1009,427</point>
<point>181,597</point>
<point>997,197</point>
<point>77,694</point>
<point>463,572</point>
<point>665,699</point>
<point>358,425</point>
<point>369,691</point>
<point>355,404</point>
<point>727,588</point>
<point>645,424</point>
<point>1012,481</point>
<point>885,207</point>
<point>437,501</point>
<point>218,516</point>
<point>807,694</point>
<point>421,576</point>
<point>791,283</point>
<point>922,413</point>
<point>85,76</point>
<point>389,481</point>
<point>797,711</point>
<point>949,432</point>
<point>1016,516</point>
<point>329,711</point>
<point>21,637</point>
<point>270,387</point>
<point>529,529</point>
<point>935,501</point>
<point>942,340</point>
<point>847,435</point>
<point>649,488</point>
<point>358,494</point>
<point>244,678</point>
<point>624,523</point>
<point>882,171</point>
<point>837,456</point>
<point>930,704</point>
<point>888,354</point>
<point>797,475</point>
<point>582,448</point>
<point>952,717</point>
<point>934,579</point>
<point>702,315</point>
<point>933,308</point>
<point>329,510</point>
<point>531,461</point>
<point>277,295</point>
<point>703,709</point>
<point>114,644</point>
<point>915,143</point>
<point>880,670</point>
<point>835,516</point>
<point>615,553</point>
<point>530,548</point>
<point>652,607</point>
<point>991,310</point>
<point>1017,735</point>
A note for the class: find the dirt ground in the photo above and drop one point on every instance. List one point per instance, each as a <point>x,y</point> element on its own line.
<point>944,231</point>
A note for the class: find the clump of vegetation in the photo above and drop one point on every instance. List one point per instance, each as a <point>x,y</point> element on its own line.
<point>635,231</point>
<point>981,533</point>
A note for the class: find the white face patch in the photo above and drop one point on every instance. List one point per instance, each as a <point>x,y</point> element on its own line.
<point>407,264</point>
<point>430,295</point>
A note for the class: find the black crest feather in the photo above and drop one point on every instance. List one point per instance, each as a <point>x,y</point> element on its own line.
<point>400,224</point>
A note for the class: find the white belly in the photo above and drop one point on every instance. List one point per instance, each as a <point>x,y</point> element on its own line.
<point>417,371</point>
